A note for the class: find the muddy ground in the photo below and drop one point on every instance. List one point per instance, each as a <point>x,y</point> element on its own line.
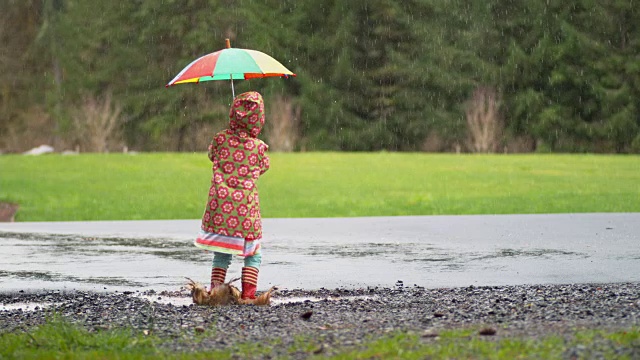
<point>341,318</point>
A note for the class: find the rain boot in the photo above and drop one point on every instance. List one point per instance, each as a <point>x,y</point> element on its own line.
<point>249,282</point>
<point>218,276</point>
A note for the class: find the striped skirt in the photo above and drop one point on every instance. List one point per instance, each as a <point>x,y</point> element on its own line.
<point>227,244</point>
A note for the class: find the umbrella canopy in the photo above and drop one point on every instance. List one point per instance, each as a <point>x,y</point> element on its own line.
<point>231,64</point>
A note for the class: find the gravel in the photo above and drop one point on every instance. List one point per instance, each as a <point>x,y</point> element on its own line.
<point>340,318</point>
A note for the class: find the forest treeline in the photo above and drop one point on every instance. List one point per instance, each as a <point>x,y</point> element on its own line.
<point>410,75</point>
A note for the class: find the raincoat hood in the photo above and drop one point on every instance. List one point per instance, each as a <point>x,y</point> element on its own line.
<point>247,113</point>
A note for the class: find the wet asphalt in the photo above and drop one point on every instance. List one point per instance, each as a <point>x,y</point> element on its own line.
<point>427,251</point>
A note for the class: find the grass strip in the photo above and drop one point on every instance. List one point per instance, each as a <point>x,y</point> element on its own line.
<point>59,339</point>
<point>62,340</point>
<point>467,344</point>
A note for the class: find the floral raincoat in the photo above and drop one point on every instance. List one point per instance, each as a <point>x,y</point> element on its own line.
<point>231,222</point>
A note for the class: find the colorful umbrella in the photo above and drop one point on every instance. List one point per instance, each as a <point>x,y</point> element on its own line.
<point>231,64</point>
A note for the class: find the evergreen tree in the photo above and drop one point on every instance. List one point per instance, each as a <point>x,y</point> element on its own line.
<point>23,70</point>
<point>365,92</point>
<point>558,74</point>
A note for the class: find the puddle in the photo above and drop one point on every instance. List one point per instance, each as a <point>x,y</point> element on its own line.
<point>440,251</point>
<point>171,300</point>
<point>303,299</point>
<point>27,306</point>
<point>186,301</point>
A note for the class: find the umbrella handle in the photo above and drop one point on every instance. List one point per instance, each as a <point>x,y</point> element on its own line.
<point>233,91</point>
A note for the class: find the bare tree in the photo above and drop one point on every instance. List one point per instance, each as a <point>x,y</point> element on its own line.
<point>282,124</point>
<point>483,120</point>
<point>96,122</point>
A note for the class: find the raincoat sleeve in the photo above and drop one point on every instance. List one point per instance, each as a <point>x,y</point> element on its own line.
<point>213,146</point>
<point>212,150</point>
<point>264,158</point>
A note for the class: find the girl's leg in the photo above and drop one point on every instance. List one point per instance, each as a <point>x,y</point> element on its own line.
<point>253,261</point>
<point>219,268</point>
<point>250,276</point>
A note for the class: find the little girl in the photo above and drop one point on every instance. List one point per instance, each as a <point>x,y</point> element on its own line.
<point>231,222</point>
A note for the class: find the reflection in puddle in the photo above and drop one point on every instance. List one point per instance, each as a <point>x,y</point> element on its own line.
<point>94,247</point>
<point>428,252</point>
<point>72,241</point>
<point>453,267</point>
<point>183,255</point>
<point>91,246</point>
<point>509,253</point>
<point>54,277</point>
<point>367,249</point>
<point>436,259</point>
<point>285,263</point>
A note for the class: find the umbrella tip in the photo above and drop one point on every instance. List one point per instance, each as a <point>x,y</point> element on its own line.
<point>228,43</point>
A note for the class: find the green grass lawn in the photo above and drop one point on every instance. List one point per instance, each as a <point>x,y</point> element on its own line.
<point>175,185</point>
